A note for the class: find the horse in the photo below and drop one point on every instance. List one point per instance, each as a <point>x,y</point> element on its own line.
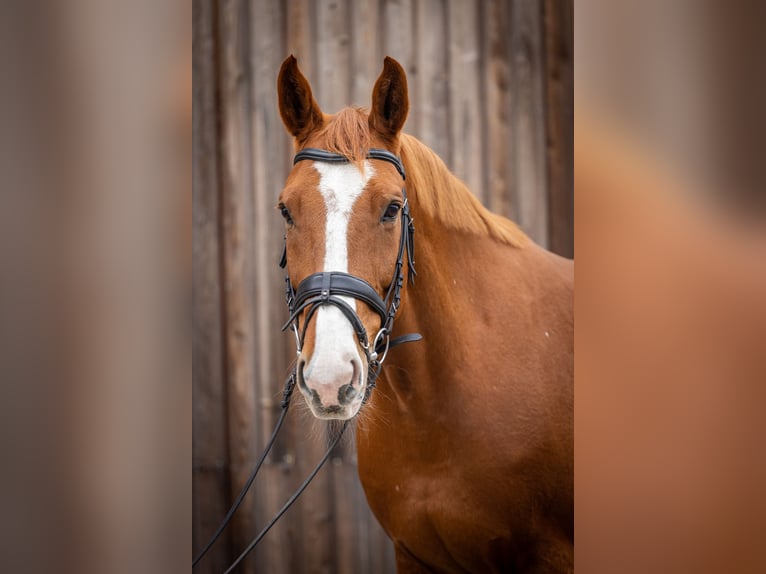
<point>465,447</point>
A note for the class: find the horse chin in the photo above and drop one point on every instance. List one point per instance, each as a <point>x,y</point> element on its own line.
<point>336,412</point>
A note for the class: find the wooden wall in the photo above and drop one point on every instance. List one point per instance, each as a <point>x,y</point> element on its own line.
<point>491,92</point>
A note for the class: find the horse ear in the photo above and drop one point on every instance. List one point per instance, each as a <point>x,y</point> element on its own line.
<point>390,102</point>
<point>300,112</point>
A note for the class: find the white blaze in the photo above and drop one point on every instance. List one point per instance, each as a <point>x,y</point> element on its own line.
<point>335,347</point>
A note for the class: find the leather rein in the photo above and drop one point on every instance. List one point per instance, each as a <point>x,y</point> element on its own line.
<point>328,288</point>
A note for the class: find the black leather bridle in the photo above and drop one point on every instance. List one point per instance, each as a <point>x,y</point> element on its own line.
<point>327,288</point>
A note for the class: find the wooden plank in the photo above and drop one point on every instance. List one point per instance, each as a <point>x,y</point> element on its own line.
<point>269,170</point>
<point>300,37</point>
<point>399,43</point>
<point>527,141</point>
<point>366,42</point>
<point>465,123</point>
<point>317,508</point>
<point>362,517</point>
<point>496,106</point>
<point>560,124</point>
<point>211,494</point>
<point>431,96</point>
<point>238,271</point>
<point>344,479</point>
<point>333,35</point>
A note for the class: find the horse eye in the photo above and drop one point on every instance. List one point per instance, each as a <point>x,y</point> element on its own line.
<point>286,213</point>
<point>391,211</point>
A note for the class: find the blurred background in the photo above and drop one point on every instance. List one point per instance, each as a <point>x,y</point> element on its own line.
<point>491,91</point>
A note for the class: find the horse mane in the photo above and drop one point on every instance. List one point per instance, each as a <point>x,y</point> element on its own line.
<point>440,194</point>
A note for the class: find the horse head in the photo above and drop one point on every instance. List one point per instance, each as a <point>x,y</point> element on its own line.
<point>346,219</point>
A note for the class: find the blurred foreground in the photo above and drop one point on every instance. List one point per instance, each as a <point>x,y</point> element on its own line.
<point>670,346</point>
<point>95,398</point>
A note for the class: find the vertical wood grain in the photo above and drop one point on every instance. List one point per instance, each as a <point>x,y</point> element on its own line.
<point>344,481</point>
<point>496,105</point>
<point>333,86</point>
<point>238,269</point>
<point>268,136</point>
<point>560,124</point>
<point>366,59</point>
<point>398,27</point>
<point>526,147</point>
<point>210,462</point>
<point>431,89</point>
<point>318,511</point>
<point>300,36</point>
<point>299,32</point>
<point>465,122</point>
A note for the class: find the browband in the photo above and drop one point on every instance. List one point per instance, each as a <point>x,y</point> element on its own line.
<point>328,156</point>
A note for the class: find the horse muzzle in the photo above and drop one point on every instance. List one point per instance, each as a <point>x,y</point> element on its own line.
<point>333,384</point>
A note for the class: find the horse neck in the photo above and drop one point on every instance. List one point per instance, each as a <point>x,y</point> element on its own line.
<point>469,275</point>
<point>456,289</point>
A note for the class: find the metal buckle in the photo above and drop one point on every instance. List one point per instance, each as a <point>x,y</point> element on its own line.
<point>374,355</point>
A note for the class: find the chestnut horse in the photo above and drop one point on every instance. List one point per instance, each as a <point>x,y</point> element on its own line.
<point>465,447</point>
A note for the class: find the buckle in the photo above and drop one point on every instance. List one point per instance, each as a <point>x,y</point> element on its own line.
<point>378,338</point>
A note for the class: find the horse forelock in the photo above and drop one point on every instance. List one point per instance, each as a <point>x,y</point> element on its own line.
<point>348,134</point>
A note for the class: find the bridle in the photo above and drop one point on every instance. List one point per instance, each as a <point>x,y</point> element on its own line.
<point>328,288</point>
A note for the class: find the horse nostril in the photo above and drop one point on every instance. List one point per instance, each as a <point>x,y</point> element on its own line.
<point>301,377</point>
<point>346,394</point>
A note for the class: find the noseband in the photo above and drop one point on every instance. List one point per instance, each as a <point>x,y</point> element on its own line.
<point>327,288</point>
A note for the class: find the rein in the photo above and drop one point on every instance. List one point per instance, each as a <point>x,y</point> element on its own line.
<point>327,288</point>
